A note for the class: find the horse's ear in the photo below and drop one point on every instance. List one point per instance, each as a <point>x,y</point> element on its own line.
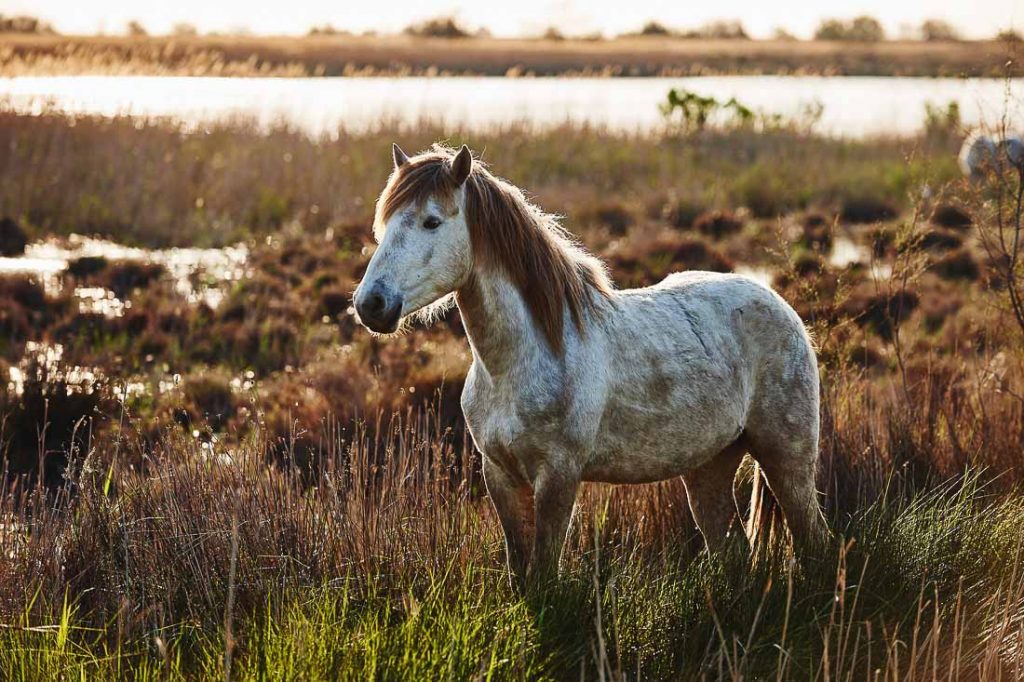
<point>462,164</point>
<point>398,155</point>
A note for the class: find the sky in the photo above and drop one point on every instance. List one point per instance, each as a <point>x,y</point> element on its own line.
<point>974,18</point>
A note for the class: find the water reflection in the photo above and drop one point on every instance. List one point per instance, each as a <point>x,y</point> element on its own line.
<point>853,106</point>
<point>199,275</point>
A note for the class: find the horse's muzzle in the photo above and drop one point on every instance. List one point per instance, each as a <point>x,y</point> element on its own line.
<point>378,309</point>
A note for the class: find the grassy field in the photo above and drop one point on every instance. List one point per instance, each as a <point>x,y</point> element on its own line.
<point>283,496</point>
<point>338,55</point>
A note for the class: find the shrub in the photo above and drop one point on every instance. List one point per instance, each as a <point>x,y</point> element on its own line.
<point>718,224</point>
<point>124,277</point>
<point>650,261</point>
<point>938,30</point>
<point>958,264</point>
<point>879,310</point>
<point>653,28</point>
<point>211,396</point>
<point>616,217</point>
<point>24,290</point>
<point>12,238</point>
<point>939,240</point>
<point>334,301</point>
<point>24,24</point>
<point>866,209</point>
<point>86,266</point>
<point>863,29</point>
<point>952,217</point>
<point>439,27</point>
<point>135,28</point>
<point>681,213</point>
<point>730,29</point>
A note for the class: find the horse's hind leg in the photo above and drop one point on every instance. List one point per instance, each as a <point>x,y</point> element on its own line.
<point>709,490</point>
<point>789,463</point>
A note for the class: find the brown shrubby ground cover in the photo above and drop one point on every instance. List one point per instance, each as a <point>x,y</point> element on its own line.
<point>291,497</point>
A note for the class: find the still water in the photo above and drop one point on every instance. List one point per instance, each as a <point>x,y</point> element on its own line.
<point>852,106</point>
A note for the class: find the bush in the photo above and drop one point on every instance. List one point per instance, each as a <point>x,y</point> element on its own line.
<point>862,29</point>
<point>135,28</point>
<point>866,209</point>
<point>12,238</point>
<point>650,261</point>
<point>938,30</point>
<point>616,217</point>
<point>958,264</point>
<point>718,224</point>
<point>816,233</point>
<point>681,213</point>
<point>24,24</point>
<point>724,30</point>
<point>124,277</point>
<point>440,27</point>
<point>86,266</point>
<point>653,28</point>
<point>211,396</point>
<point>940,240</point>
<point>952,217</point>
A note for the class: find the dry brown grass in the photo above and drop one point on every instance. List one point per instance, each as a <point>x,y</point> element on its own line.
<point>292,528</point>
<point>327,55</point>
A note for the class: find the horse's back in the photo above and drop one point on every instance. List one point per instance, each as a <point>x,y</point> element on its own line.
<point>765,342</point>
<point>750,318</point>
<point>690,360</point>
<point>728,304</point>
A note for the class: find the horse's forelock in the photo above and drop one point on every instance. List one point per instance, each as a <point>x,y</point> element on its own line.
<point>414,183</point>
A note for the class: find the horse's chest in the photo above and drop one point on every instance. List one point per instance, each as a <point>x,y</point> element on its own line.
<point>510,423</point>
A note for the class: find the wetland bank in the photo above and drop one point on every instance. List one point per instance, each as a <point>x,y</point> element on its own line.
<point>221,470</point>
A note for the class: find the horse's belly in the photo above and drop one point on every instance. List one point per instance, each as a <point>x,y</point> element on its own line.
<point>645,445</point>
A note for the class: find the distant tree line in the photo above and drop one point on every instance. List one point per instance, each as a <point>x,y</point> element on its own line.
<point>444,27</point>
<point>25,24</point>
<point>725,29</point>
<point>865,29</point>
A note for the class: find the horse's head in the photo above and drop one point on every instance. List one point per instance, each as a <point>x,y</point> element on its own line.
<point>424,250</point>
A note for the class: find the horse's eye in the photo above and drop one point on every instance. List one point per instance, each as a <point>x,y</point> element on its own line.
<point>432,223</point>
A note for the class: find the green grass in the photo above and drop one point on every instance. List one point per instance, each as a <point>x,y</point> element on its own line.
<point>910,588</point>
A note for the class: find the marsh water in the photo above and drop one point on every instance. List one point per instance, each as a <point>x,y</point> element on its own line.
<point>850,106</point>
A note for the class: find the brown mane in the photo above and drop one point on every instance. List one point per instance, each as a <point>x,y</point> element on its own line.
<point>510,234</point>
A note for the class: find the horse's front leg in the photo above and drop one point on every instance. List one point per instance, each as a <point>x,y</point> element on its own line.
<point>513,501</point>
<point>554,493</point>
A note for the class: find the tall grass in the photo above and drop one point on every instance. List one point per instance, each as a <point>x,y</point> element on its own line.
<point>157,184</point>
<point>330,520</point>
<point>390,566</point>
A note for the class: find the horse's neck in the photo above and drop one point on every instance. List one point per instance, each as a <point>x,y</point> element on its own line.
<point>501,330</point>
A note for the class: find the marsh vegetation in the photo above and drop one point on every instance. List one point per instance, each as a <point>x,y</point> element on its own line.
<point>248,484</point>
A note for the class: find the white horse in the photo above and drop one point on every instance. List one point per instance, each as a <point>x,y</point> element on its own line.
<point>981,154</point>
<point>575,381</point>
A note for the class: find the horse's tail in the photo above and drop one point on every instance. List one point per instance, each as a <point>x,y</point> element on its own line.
<point>759,518</point>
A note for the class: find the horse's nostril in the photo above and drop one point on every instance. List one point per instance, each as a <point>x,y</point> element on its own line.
<point>374,303</point>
